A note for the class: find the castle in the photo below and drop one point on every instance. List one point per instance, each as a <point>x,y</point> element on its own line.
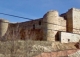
<point>51,27</point>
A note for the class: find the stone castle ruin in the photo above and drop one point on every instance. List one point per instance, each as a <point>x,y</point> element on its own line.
<point>51,27</point>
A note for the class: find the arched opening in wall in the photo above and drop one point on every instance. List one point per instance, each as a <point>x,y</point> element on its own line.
<point>68,40</point>
<point>57,37</point>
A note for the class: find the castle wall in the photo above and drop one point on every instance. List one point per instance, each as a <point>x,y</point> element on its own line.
<point>76,20</point>
<point>73,26</point>
<point>73,20</point>
<point>45,28</point>
<point>52,23</point>
<point>30,30</point>
<point>3,28</point>
<point>69,21</point>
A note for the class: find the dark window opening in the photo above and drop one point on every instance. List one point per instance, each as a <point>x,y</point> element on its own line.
<point>33,26</point>
<point>57,38</point>
<point>39,22</point>
<point>68,40</point>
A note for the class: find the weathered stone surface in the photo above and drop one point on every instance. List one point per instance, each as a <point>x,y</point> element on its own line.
<point>73,20</point>
<point>69,21</point>
<point>53,24</point>
<point>45,28</point>
<point>76,31</point>
<point>69,37</point>
<point>3,28</point>
<point>76,18</point>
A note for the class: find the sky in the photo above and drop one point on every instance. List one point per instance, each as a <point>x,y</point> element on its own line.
<point>34,9</point>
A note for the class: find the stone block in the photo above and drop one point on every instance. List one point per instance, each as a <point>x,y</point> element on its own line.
<point>76,31</point>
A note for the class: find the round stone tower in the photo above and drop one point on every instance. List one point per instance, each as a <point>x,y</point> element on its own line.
<point>49,19</point>
<point>3,27</point>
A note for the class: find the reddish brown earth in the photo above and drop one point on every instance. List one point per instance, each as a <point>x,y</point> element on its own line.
<point>64,53</point>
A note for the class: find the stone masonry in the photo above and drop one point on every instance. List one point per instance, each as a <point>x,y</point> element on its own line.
<point>46,28</point>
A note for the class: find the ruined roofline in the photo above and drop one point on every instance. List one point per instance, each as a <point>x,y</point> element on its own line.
<point>27,21</point>
<point>5,20</point>
<point>50,12</point>
<point>76,9</point>
<point>69,10</point>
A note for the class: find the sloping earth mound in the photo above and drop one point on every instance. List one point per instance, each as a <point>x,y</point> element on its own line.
<point>31,48</point>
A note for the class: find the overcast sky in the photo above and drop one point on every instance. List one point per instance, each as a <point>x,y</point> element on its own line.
<point>34,8</point>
